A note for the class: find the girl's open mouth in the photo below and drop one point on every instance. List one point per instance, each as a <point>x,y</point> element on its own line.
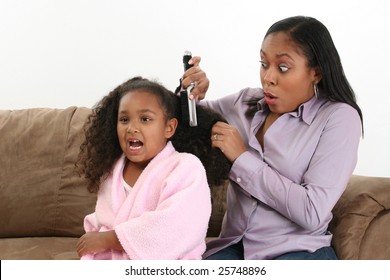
<point>135,144</point>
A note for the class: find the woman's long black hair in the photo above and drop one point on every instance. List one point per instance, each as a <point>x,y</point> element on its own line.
<point>315,41</point>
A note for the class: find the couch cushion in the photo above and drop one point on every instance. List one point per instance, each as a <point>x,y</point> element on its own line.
<point>40,193</point>
<point>376,242</point>
<point>219,202</point>
<point>364,199</point>
<point>38,248</point>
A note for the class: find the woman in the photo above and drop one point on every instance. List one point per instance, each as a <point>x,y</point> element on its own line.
<point>293,146</point>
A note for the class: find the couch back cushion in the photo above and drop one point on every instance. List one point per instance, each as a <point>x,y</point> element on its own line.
<point>40,192</point>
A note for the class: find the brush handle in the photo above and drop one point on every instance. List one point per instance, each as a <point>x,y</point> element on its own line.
<point>188,105</point>
<point>186,57</point>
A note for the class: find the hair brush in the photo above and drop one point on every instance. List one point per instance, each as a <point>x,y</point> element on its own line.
<point>188,106</point>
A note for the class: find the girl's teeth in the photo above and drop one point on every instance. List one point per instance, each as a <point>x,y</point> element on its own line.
<point>135,145</point>
<point>135,148</point>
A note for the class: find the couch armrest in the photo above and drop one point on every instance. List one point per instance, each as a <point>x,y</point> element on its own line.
<point>361,219</point>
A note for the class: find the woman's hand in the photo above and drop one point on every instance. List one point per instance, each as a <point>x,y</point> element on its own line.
<point>96,242</point>
<point>197,76</point>
<point>228,140</point>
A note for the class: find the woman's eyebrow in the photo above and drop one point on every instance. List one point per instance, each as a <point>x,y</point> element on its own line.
<point>279,55</point>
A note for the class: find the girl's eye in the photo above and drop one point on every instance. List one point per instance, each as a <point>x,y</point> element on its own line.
<point>123,120</point>
<point>283,68</point>
<point>263,64</point>
<point>146,119</point>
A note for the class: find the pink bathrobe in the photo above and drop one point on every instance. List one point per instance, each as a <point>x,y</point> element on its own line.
<point>166,214</point>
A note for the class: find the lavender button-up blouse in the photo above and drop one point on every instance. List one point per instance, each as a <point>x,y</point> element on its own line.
<point>280,199</point>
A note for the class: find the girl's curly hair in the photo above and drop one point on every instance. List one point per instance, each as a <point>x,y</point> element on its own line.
<point>101,148</point>
<point>197,140</point>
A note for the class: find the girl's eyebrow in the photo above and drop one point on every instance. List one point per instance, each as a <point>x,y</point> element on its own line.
<point>138,111</point>
<point>146,111</point>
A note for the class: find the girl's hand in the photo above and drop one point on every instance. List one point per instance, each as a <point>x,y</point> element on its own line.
<point>96,242</point>
<point>197,76</point>
<point>228,140</point>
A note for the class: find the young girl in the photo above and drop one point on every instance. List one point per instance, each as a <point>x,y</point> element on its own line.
<point>153,202</point>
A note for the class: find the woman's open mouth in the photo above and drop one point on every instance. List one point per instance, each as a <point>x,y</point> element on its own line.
<point>270,99</point>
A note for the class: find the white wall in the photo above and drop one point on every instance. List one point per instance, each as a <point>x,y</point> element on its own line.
<point>72,52</point>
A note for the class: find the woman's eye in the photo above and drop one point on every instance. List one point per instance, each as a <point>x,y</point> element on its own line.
<point>283,68</point>
<point>124,120</point>
<point>263,64</point>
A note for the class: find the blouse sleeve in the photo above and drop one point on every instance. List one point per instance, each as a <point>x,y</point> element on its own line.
<point>307,203</point>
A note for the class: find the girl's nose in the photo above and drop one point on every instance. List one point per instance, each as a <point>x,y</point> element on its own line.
<point>132,129</point>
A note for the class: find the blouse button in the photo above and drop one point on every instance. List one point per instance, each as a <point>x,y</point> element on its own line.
<point>238,180</point>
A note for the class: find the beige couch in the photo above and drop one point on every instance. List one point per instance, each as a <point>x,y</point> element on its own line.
<point>43,202</point>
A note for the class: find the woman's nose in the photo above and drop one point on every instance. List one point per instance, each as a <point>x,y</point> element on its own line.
<point>269,77</point>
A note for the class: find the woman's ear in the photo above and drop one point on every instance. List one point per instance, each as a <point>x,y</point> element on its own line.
<point>170,128</point>
<point>317,75</point>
